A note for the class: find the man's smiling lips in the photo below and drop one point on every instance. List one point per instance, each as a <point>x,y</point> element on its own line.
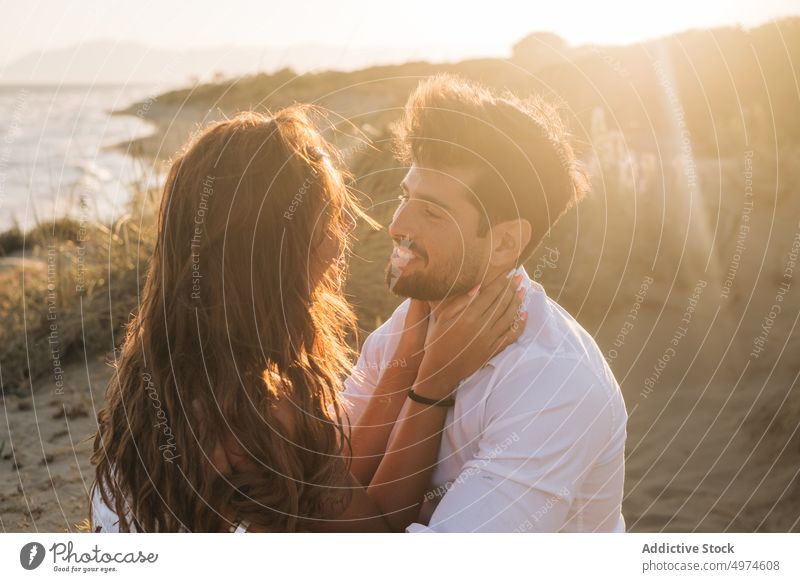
<point>402,256</point>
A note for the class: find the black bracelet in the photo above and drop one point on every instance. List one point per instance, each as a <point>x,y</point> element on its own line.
<point>449,401</point>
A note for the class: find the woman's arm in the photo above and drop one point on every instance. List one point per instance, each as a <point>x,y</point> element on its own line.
<point>392,499</point>
<point>404,473</point>
<point>370,435</point>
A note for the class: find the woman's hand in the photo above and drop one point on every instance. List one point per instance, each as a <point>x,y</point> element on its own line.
<point>466,332</point>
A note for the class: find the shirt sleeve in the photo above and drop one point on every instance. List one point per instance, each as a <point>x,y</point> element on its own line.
<point>545,424</point>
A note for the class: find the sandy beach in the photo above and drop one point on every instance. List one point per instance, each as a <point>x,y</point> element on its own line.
<point>46,471</point>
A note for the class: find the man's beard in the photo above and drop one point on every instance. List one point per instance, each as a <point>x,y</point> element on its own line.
<point>452,280</point>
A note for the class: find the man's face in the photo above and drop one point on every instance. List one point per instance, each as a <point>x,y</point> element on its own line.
<point>437,251</point>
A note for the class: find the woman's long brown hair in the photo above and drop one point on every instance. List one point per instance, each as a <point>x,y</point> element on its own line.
<point>238,317</point>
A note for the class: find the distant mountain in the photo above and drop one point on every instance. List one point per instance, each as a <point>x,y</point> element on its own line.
<point>114,62</point>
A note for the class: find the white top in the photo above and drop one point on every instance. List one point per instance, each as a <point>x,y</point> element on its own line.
<point>536,439</point>
<point>104,519</point>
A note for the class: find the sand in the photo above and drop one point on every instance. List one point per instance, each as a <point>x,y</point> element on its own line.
<point>46,473</point>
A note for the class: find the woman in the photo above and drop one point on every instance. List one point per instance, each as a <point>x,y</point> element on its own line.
<point>224,410</point>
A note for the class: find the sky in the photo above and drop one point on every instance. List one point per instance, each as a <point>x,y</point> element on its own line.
<point>467,28</point>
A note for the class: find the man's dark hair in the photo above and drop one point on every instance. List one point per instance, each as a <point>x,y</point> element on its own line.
<point>527,167</point>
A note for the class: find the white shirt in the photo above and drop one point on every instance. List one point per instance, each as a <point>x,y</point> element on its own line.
<point>536,439</point>
<point>104,519</point>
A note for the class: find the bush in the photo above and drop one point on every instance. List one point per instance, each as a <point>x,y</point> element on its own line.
<point>73,295</point>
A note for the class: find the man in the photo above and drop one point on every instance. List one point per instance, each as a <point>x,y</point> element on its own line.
<point>535,439</point>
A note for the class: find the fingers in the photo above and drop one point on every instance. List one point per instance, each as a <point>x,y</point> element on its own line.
<point>481,299</point>
<point>510,334</point>
<point>503,320</point>
<point>493,299</point>
<point>455,305</point>
<point>509,295</point>
<point>511,299</point>
<point>484,303</point>
<point>513,307</point>
<point>511,304</point>
<point>508,338</point>
<point>516,329</point>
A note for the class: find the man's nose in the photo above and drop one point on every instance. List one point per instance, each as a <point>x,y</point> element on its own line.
<point>402,223</point>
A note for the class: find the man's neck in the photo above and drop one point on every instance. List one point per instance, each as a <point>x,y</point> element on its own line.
<point>490,276</point>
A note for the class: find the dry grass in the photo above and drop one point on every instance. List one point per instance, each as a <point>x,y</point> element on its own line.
<point>68,293</point>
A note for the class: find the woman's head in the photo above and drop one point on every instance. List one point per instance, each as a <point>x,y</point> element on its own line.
<point>259,198</point>
<point>242,312</point>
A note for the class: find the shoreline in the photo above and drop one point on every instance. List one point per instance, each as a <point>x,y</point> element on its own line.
<point>170,131</point>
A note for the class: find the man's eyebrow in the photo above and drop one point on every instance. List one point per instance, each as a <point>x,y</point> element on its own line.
<point>427,198</point>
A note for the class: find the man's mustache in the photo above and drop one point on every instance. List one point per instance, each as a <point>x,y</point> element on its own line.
<point>410,245</point>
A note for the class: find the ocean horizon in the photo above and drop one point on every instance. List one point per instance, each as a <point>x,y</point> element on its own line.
<point>58,154</point>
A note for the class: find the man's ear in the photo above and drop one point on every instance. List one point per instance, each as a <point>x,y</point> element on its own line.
<point>509,238</point>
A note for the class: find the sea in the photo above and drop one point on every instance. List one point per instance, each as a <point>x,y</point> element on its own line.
<point>56,154</point>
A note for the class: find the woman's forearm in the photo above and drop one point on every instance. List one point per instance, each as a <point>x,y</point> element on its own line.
<point>405,470</point>
<point>371,432</point>
<point>392,500</point>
